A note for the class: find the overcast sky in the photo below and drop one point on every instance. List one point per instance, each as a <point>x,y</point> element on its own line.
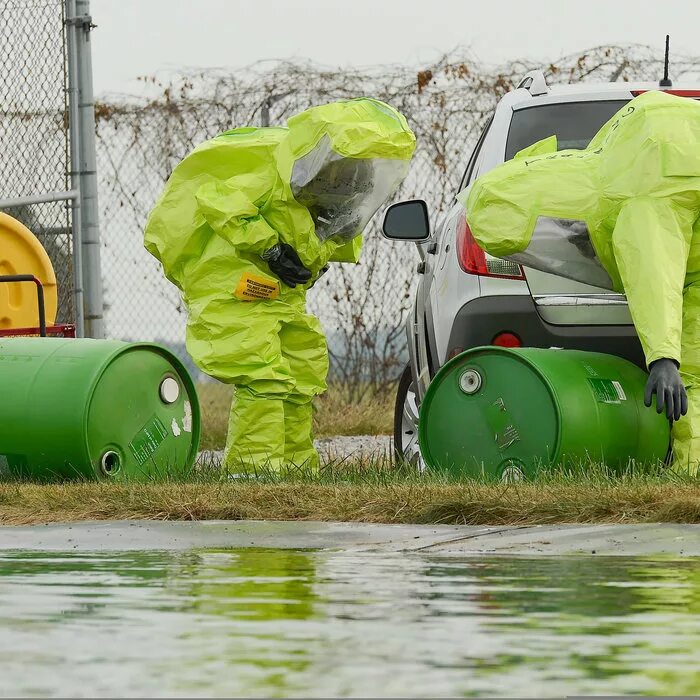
<point>142,37</point>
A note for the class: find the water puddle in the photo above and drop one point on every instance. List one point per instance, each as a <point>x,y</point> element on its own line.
<point>301,623</point>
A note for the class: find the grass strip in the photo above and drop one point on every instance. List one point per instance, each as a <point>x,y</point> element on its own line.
<point>364,494</point>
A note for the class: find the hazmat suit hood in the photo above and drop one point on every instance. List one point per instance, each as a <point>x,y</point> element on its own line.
<point>348,158</point>
<point>519,211</point>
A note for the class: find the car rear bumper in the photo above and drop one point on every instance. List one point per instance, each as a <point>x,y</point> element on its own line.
<point>481,320</point>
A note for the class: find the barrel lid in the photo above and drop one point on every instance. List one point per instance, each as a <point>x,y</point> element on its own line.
<point>489,411</point>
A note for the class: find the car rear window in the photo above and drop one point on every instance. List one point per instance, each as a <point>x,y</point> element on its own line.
<point>573,123</point>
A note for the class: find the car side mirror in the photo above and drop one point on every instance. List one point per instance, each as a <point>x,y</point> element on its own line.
<point>407,221</point>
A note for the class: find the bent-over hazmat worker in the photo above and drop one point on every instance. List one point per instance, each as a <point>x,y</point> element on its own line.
<point>246,224</point>
<point>622,214</point>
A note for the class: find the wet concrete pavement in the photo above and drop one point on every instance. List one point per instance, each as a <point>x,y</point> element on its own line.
<point>629,540</point>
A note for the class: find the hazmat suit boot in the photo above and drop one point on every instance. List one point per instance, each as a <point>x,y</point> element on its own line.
<point>299,450</point>
<point>636,191</point>
<point>305,351</point>
<point>227,221</point>
<point>254,443</point>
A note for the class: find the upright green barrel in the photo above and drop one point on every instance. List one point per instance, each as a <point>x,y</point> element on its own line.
<point>508,413</point>
<point>95,409</point>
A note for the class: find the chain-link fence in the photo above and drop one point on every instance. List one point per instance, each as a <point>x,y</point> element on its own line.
<point>34,144</point>
<point>47,155</point>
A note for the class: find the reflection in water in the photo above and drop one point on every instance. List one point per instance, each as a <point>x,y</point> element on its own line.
<point>285,622</point>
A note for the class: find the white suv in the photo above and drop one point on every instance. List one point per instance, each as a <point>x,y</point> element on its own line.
<point>465,297</point>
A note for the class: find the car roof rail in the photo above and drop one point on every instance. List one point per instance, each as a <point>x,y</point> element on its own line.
<point>535,83</point>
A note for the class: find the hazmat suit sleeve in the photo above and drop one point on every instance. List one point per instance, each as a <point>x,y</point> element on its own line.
<point>651,242</point>
<point>235,217</point>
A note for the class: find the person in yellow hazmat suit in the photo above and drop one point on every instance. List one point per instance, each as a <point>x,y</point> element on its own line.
<point>246,224</point>
<point>623,213</point>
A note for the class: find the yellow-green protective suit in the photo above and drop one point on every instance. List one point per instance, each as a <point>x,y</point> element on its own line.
<point>630,201</point>
<point>228,202</point>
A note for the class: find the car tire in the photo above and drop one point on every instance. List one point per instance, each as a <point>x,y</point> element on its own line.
<point>406,449</point>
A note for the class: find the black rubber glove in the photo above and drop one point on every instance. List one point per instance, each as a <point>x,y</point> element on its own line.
<point>285,263</point>
<point>665,381</point>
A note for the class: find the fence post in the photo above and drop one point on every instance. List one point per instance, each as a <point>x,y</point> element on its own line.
<point>84,168</point>
<point>74,137</point>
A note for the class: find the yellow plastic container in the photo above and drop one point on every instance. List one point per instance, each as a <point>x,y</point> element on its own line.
<point>22,254</point>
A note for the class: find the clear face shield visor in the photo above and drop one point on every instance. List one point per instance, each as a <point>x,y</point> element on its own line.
<point>343,194</point>
<point>563,247</point>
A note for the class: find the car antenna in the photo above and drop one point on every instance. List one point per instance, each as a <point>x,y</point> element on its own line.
<point>665,82</point>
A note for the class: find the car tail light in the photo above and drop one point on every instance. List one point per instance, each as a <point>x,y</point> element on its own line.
<point>473,260</point>
<point>507,340</point>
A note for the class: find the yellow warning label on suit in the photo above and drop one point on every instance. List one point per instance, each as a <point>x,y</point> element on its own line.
<point>253,287</point>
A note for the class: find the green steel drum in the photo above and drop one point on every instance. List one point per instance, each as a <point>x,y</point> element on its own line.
<point>95,409</point>
<point>509,412</point>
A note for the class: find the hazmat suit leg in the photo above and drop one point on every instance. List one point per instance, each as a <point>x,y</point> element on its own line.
<point>304,348</point>
<point>239,343</point>
<point>276,356</point>
<point>652,240</point>
<point>686,431</point>
<point>271,421</point>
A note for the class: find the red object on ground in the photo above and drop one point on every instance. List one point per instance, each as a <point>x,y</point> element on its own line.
<point>66,330</point>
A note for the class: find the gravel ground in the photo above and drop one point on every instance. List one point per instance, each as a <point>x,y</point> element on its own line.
<point>354,446</point>
<point>335,449</point>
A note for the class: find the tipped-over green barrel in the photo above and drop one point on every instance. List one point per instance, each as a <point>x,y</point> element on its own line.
<point>507,413</point>
<point>95,409</point>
